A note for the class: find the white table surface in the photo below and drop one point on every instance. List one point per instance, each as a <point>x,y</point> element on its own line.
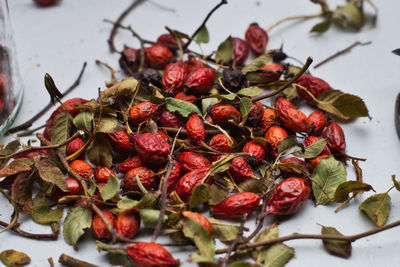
<point>58,39</point>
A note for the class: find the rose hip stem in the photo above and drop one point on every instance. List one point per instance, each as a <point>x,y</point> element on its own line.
<point>20,232</point>
<point>74,262</point>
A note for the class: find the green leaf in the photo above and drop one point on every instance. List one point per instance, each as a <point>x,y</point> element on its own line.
<point>13,258</point>
<point>339,248</point>
<point>111,189</point>
<point>327,176</point>
<point>202,36</point>
<point>84,121</point>
<point>21,192</point>
<point>200,195</point>
<point>122,89</point>
<point>260,253</point>
<point>344,189</point>
<point>222,164</point>
<point>202,239</point>
<point>245,107</point>
<point>312,150</point>
<point>250,91</point>
<point>9,149</point>
<point>377,208</point>
<point>224,51</point>
<point>17,166</point>
<point>51,173</point>
<point>61,129</point>
<point>208,102</point>
<point>92,187</point>
<point>150,217</point>
<point>223,232</point>
<point>287,144</point>
<point>219,190</point>
<point>77,220</point>
<point>229,97</point>
<point>253,185</point>
<point>148,201</point>
<point>342,105</point>
<point>321,27</point>
<point>278,255</point>
<point>127,203</point>
<point>241,264</point>
<point>45,215</point>
<point>107,124</point>
<point>395,182</point>
<point>257,63</point>
<point>184,108</point>
<point>350,16</point>
<point>117,256</point>
<point>99,152</point>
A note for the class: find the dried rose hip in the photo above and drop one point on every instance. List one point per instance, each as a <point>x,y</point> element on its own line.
<point>142,112</point>
<point>289,116</point>
<point>256,113</point>
<point>186,97</point>
<point>158,56</point>
<point>46,2</point>
<point>174,77</point>
<point>288,172</point>
<point>311,139</point>
<point>191,161</point>
<point>272,72</point>
<point>127,223</point>
<point>74,187</point>
<point>240,170</point>
<point>314,85</point>
<point>168,119</point>
<point>236,205</point>
<point>275,135</point>
<point>257,39</point>
<point>221,142</point>
<point>200,80</point>
<point>195,129</point>
<point>74,146</point>
<point>333,133</point>
<point>152,148</point>
<point>193,64</point>
<point>72,106</point>
<point>257,152</point>
<point>82,168</point>
<point>197,217</point>
<point>316,122</point>
<point>289,196</point>
<point>99,227</point>
<point>120,141</point>
<point>312,163</point>
<point>102,174</point>
<point>240,50</point>
<point>184,188</point>
<point>234,80</point>
<point>150,255</point>
<point>146,177</point>
<point>130,60</point>
<point>168,40</point>
<point>224,114</point>
<point>131,163</point>
<point>268,119</point>
<point>149,76</point>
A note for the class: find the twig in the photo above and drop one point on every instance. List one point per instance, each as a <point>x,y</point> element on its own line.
<point>73,262</point>
<point>302,17</point>
<point>20,232</point>
<point>341,52</point>
<point>184,132</point>
<point>288,83</point>
<point>30,132</point>
<point>29,122</point>
<point>223,2</point>
<point>114,29</point>
<point>112,71</point>
<point>51,262</point>
<point>235,242</point>
<point>294,236</point>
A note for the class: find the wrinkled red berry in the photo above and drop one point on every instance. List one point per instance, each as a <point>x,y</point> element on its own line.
<point>275,135</point>
<point>193,64</point>
<point>240,50</point>
<point>46,2</point>
<point>240,170</point>
<point>195,129</point>
<point>236,205</point>
<point>289,116</point>
<point>99,227</point>
<point>142,112</point>
<point>201,80</point>
<point>316,122</point>
<point>150,255</point>
<point>224,114</point>
<point>184,188</point>
<point>74,146</point>
<point>127,223</point>
<point>333,133</point>
<point>257,152</point>
<point>120,141</point>
<point>271,72</point>
<point>146,177</point>
<point>168,40</point>
<point>152,148</point>
<point>314,85</point>
<point>158,56</point>
<point>130,60</point>
<point>168,119</point>
<point>82,168</point>
<point>256,113</point>
<point>197,217</point>
<point>222,143</point>
<point>257,39</point>
<point>131,163</point>
<point>186,97</point>
<point>174,77</point>
<point>191,161</point>
<point>174,177</point>
<point>267,119</point>
<point>102,174</point>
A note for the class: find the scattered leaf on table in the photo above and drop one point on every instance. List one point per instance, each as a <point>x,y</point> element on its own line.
<point>312,150</point>
<point>45,215</point>
<point>202,239</point>
<point>184,108</point>
<point>13,258</point>
<point>339,248</point>
<point>77,220</point>
<point>377,208</point>
<point>111,189</point>
<point>344,189</point>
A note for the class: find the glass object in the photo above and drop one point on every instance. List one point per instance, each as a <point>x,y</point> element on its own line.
<point>11,88</point>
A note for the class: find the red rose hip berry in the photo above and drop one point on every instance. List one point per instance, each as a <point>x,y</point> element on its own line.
<point>127,223</point>
<point>236,205</point>
<point>195,129</point>
<point>333,133</point>
<point>142,112</point>
<point>146,177</point>
<point>158,56</point>
<point>201,80</point>
<point>174,77</point>
<point>99,228</point>
<point>257,39</point>
<point>316,122</point>
<point>150,255</point>
<point>152,148</point>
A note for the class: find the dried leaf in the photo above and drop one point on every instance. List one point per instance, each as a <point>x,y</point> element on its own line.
<point>278,255</point>
<point>245,107</point>
<point>208,102</point>
<point>287,144</point>
<point>116,256</point>
<point>50,173</point>
<point>202,36</point>
<point>321,27</point>
<point>395,182</point>
<point>45,215</point>
<point>260,253</point>
<point>223,232</point>
<point>150,217</point>
<point>229,97</point>
<point>184,108</point>
<point>339,248</point>
<point>344,189</point>
<point>21,192</point>
<point>52,88</point>
<point>350,16</point>
<point>9,149</point>
<point>13,258</point>
<point>99,151</point>
<point>107,124</point>
<point>224,51</point>
<point>257,64</point>
<point>121,89</point>
<point>77,220</point>
<point>250,91</point>
<point>61,129</point>
<point>127,203</point>
<point>17,166</point>
<point>219,190</point>
<point>253,185</point>
<point>84,121</point>
<point>377,208</point>
<point>312,150</point>
<point>292,167</point>
<point>200,195</point>
<point>111,189</point>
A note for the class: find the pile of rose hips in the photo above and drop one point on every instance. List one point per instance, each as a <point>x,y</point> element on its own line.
<point>147,154</point>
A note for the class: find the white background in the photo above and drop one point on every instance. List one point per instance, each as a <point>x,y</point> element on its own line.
<point>58,39</point>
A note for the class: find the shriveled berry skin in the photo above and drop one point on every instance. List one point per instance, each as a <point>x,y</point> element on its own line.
<point>102,174</point>
<point>268,118</point>
<point>146,177</point>
<point>312,163</point>
<point>150,255</point>
<point>256,113</point>
<point>74,146</point>
<point>120,141</point>
<point>191,161</point>
<point>142,112</point>
<point>222,114</point>
<point>221,142</point>
<point>333,133</point>
<point>149,76</point>
<point>285,172</point>
<point>130,60</point>
<point>174,77</point>
<point>316,122</point>
<point>99,228</point>
<point>314,85</point>
<point>128,164</point>
<point>197,217</point>
<point>201,80</point>
<point>195,129</point>
<point>257,152</point>
<point>240,50</point>
<point>168,40</point>
<point>158,56</point>
<point>186,97</point>
<point>234,80</point>
<point>311,139</point>
<point>184,188</point>
<point>46,2</point>
<point>127,223</point>
<point>82,168</point>
<point>236,205</point>
<point>275,72</point>
<point>174,177</point>
<point>256,38</point>
<point>275,135</point>
<point>152,148</point>
<point>289,196</point>
<point>240,170</point>
<point>193,64</point>
<point>168,119</point>
<point>290,117</point>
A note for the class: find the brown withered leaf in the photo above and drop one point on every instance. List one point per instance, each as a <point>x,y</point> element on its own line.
<point>51,173</point>
<point>344,189</point>
<point>17,166</point>
<point>21,192</point>
<point>9,149</point>
<point>99,151</point>
<point>13,258</point>
<point>339,248</point>
<point>377,208</point>
<point>293,167</point>
<point>395,182</point>
<point>121,89</point>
